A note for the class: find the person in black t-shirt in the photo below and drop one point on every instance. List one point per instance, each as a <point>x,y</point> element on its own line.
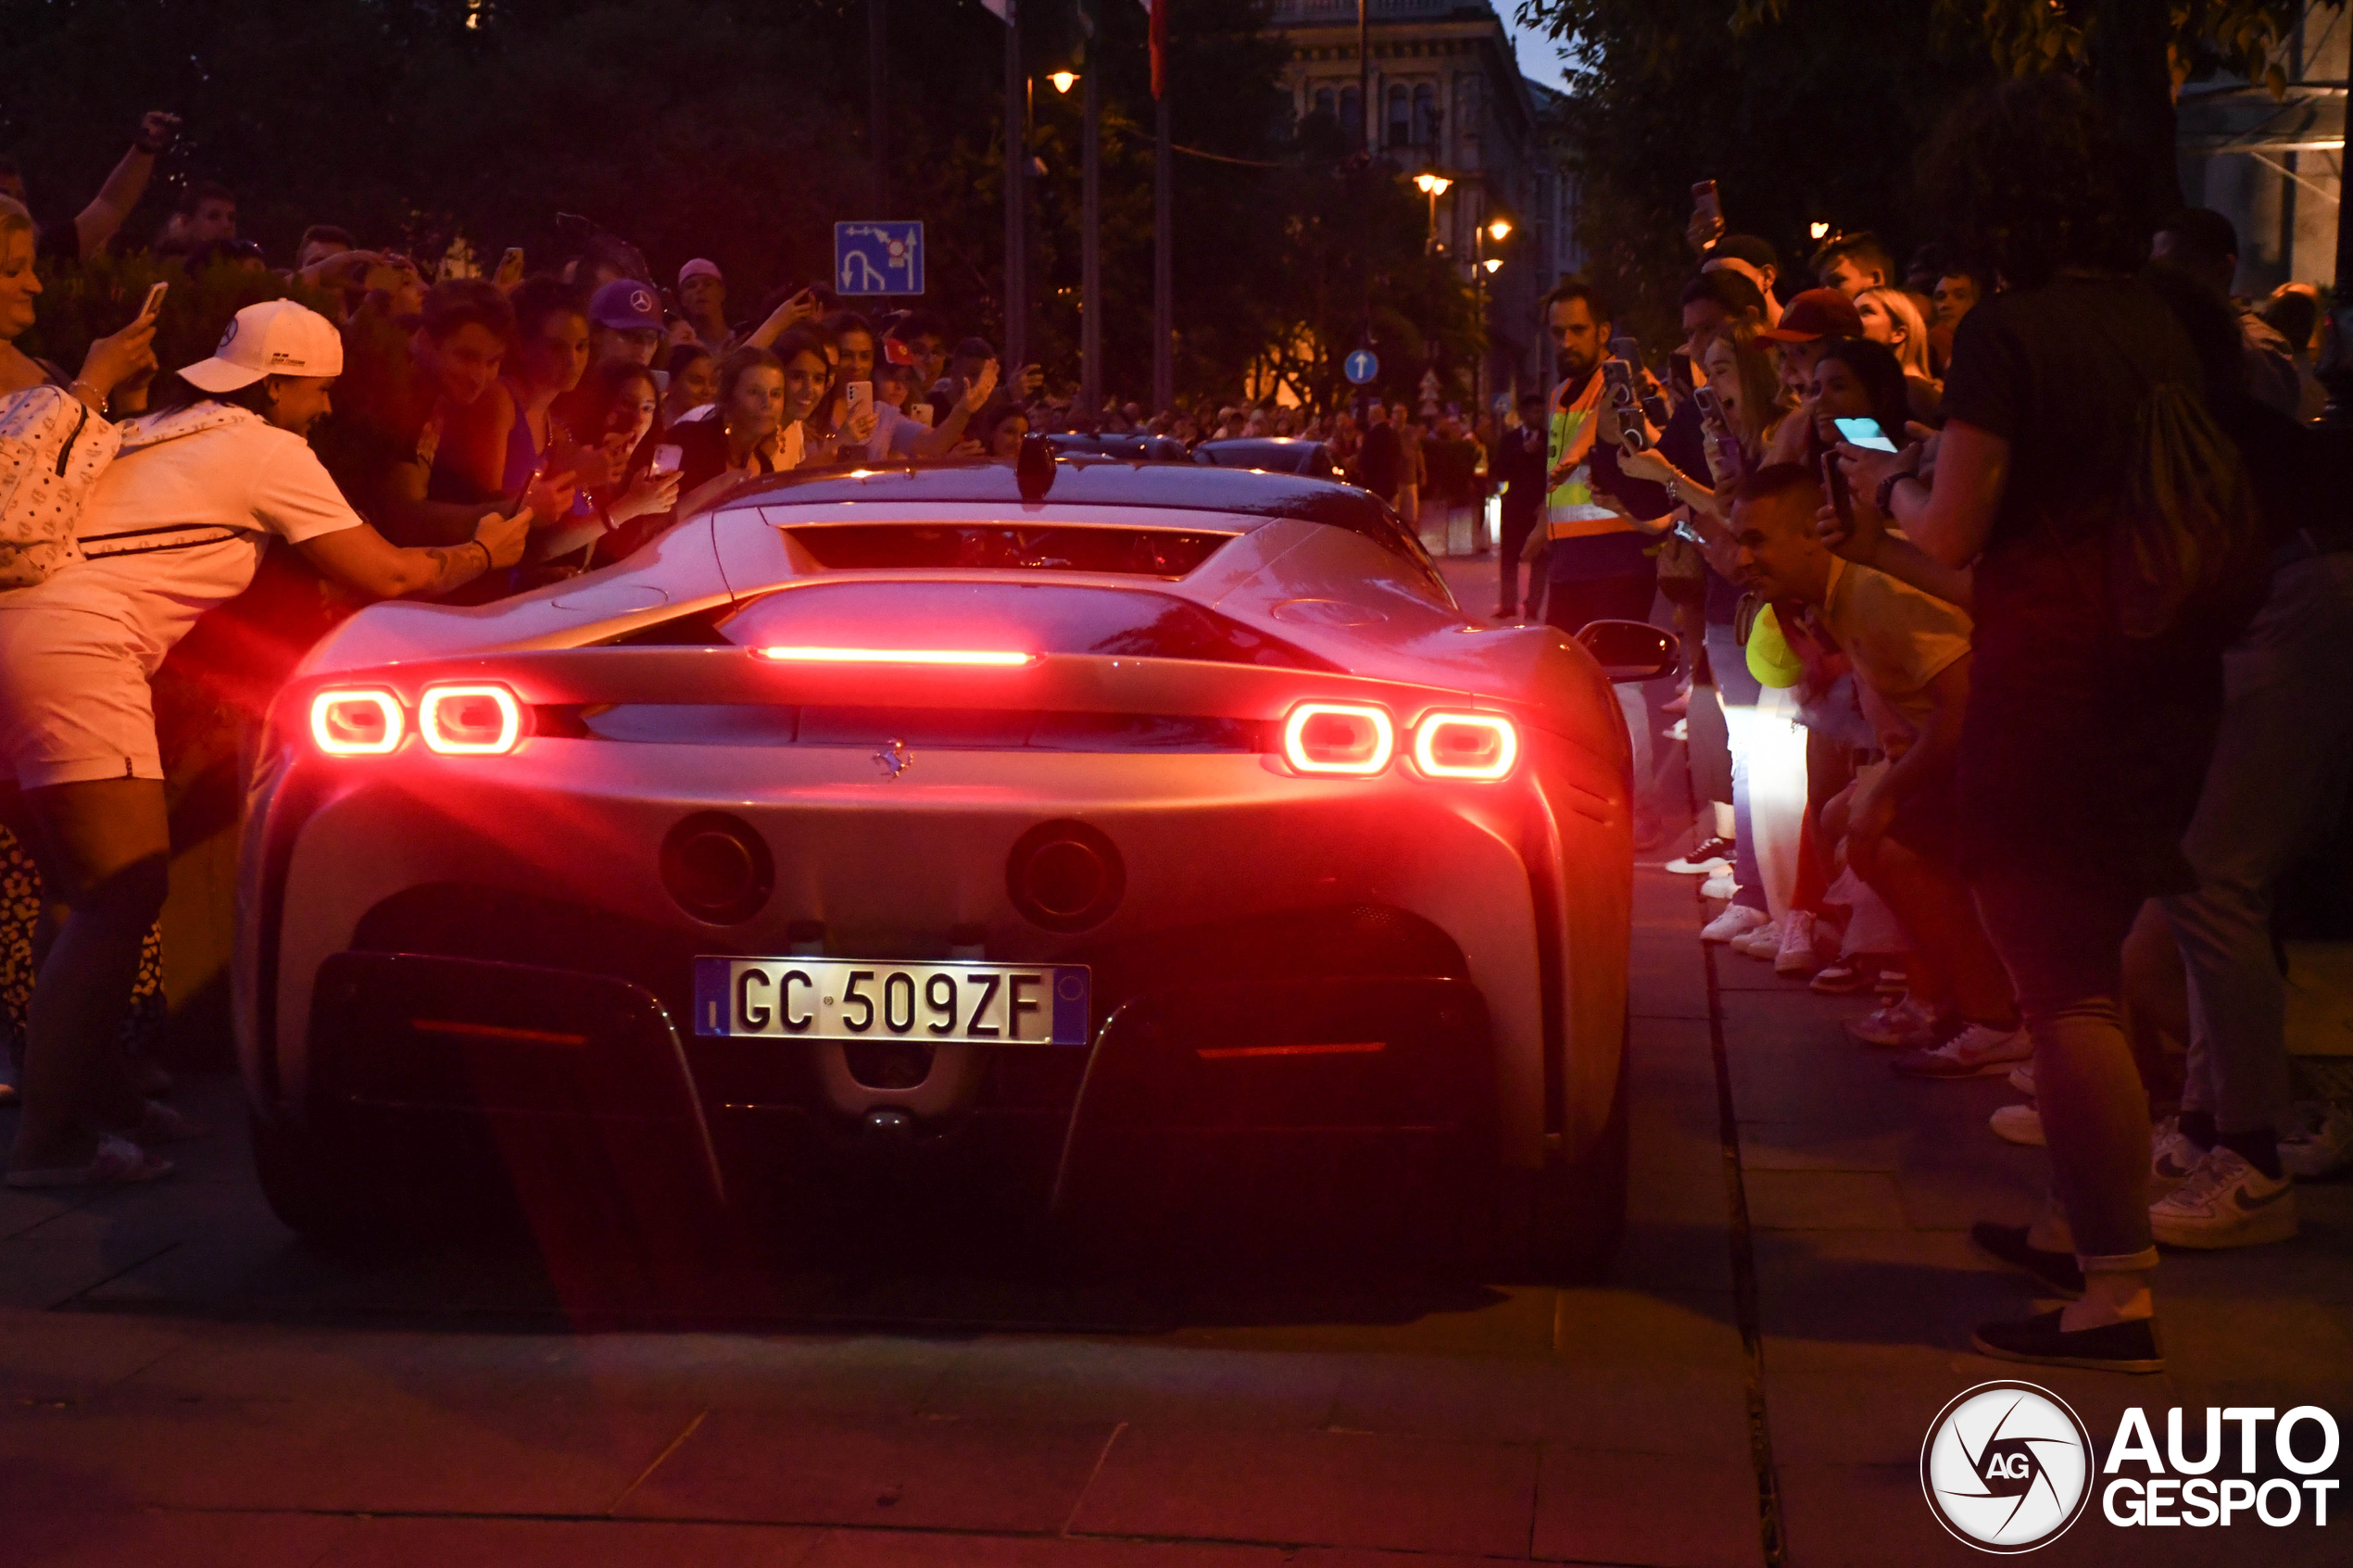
<point>2084,745</point>
<point>1519,465</point>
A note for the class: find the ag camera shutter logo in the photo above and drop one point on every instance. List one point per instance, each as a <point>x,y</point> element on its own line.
<point>2007,1467</point>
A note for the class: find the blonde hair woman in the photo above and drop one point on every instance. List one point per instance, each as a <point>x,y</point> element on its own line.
<point>1890,316</point>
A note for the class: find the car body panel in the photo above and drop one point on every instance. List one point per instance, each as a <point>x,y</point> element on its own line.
<point>1529,876</point>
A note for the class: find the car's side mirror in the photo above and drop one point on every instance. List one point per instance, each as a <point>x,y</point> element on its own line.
<point>1631,650</point>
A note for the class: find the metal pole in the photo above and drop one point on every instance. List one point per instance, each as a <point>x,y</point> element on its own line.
<point>2336,372</point>
<point>1017,197</point>
<point>1365,73</point>
<point>878,103</point>
<point>1163,271</point>
<point>1090,279</point>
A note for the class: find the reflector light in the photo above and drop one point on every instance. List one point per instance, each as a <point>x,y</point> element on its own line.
<point>1350,738</point>
<point>897,655</point>
<point>470,721</point>
<point>1465,745</point>
<point>355,723</point>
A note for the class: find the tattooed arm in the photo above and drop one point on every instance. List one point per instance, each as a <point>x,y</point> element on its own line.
<point>365,562</point>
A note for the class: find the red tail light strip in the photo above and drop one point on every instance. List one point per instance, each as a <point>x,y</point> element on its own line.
<point>1232,1053</point>
<point>494,1032</point>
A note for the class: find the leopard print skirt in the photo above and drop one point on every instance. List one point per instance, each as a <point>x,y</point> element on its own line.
<point>141,1032</point>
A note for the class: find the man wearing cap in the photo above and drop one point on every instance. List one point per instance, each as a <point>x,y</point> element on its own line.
<point>624,323</point>
<point>1807,325</point>
<point>175,526</point>
<point>702,299</point>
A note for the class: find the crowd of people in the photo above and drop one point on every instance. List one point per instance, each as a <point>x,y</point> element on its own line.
<point>2012,581</point>
<point>2016,583</point>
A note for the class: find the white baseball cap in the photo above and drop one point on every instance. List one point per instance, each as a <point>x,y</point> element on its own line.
<point>277,337</point>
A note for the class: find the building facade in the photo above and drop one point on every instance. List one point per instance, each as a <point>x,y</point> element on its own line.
<point>1447,97</point>
<point>2274,165</point>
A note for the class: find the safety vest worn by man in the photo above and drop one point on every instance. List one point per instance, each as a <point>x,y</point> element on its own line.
<point>1569,510</point>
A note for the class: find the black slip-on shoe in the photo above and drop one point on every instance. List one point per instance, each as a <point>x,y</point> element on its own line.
<point>2116,1346</point>
<point>2055,1270</point>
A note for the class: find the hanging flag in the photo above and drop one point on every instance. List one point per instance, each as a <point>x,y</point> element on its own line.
<point>1159,9</point>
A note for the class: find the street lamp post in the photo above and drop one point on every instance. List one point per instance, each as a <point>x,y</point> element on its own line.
<point>1433,186</point>
<point>1484,267</point>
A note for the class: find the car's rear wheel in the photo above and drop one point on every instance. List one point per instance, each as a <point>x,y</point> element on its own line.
<point>311,1191</point>
<point>1564,1224</point>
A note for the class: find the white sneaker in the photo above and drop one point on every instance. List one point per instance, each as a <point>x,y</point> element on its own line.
<point>1719,886</point>
<point>1737,921</point>
<point>1978,1051</point>
<point>2173,1154</point>
<point>1901,1023</point>
<point>2225,1202</point>
<point>1797,954</point>
<point>2319,1142</point>
<point>1761,943</point>
<point>2022,1077</point>
<point>2021,1124</point>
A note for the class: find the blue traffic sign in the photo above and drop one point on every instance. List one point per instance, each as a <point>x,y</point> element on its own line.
<point>1361,366</point>
<point>878,259</point>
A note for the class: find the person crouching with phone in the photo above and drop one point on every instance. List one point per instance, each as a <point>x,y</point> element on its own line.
<point>175,526</point>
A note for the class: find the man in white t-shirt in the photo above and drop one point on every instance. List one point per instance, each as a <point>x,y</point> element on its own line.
<point>175,526</point>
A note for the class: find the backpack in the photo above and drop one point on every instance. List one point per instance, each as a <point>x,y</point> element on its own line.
<point>52,451</point>
<point>2189,554</point>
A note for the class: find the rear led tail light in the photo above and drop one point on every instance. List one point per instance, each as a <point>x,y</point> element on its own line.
<point>1465,745</point>
<point>470,721</point>
<point>355,723</point>
<point>1003,657</point>
<point>1350,738</point>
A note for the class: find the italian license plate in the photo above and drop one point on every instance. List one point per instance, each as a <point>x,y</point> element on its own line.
<point>959,1003</point>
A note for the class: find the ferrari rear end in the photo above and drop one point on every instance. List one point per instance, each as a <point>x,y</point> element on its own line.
<point>1048,891</point>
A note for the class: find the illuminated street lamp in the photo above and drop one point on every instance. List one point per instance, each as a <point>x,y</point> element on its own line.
<point>1492,263</point>
<point>1483,267</point>
<point>1064,80</point>
<point>1501,229</point>
<point>1433,186</point>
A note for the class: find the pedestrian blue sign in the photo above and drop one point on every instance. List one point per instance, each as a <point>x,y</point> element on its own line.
<point>1361,366</point>
<point>874,259</point>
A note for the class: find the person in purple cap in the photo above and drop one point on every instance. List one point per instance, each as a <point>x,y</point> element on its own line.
<point>624,323</point>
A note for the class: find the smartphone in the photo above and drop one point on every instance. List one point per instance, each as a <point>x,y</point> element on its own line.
<point>1834,480</point>
<point>1627,348</point>
<point>668,458</point>
<point>1865,432</point>
<point>512,261</point>
<point>918,410</point>
<point>155,298</point>
<point>1703,200</point>
<point>1617,381</point>
<point>858,397</point>
<point>1679,372</point>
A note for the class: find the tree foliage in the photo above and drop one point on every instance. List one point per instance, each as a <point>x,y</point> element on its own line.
<point>733,128</point>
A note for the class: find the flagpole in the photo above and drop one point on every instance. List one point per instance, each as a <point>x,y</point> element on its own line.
<point>1016,198</point>
<point>877,101</point>
<point>1090,265</point>
<point>1163,270</point>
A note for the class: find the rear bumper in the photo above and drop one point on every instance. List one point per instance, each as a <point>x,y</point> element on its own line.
<point>455,1074</point>
<point>1524,880</point>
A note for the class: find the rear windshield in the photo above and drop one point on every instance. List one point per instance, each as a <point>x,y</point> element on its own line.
<point>1142,552</point>
<point>1035,618</point>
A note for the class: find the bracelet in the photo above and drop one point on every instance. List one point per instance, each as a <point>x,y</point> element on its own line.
<point>77,385</point>
<point>1885,498</point>
<point>486,562</point>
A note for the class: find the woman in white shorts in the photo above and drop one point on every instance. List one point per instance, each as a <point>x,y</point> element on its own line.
<point>177,525</point>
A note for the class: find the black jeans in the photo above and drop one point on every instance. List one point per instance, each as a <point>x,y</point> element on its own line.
<point>1518,523</point>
